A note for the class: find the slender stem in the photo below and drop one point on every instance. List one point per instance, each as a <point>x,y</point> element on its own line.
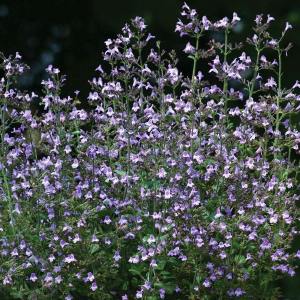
<point>128,128</point>
<point>278,97</point>
<point>9,198</point>
<point>289,155</point>
<point>290,144</point>
<point>225,83</point>
<point>33,145</point>
<point>196,58</point>
<point>4,176</point>
<point>225,86</point>
<point>255,72</point>
<point>2,128</point>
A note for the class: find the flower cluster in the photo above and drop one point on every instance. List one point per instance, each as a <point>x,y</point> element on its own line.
<point>160,184</point>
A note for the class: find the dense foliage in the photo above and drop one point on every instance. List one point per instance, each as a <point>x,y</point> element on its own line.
<point>165,186</point>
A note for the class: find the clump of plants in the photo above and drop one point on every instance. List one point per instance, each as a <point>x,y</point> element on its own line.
<point>160,185</point>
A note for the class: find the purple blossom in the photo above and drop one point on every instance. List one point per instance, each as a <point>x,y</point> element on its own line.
<point>189,49</point>
<point>94,286</point>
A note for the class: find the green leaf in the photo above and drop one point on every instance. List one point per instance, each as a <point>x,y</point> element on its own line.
<point>151,298</point>
<point>94,248</point>
<point>240,259</point>
<point>161,265</point>
<point>169,287</point>
<point>120,172</point>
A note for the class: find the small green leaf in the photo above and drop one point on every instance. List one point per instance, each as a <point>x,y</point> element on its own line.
<point>120,172</point>
<point>94,248</point>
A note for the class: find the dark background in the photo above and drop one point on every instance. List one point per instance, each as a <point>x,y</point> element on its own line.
<point>70,34</point>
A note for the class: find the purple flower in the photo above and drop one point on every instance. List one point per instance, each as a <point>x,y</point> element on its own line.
<point>162,293</point>
<point>70,258</point>
<point>239,292</point>
<point>139,294</point>
<point>94,286</point>
<point>207,283</point>
<point>287,27</point>
<point>161,173</point>
<point>265,245</point>
<point>107,220</point>
<point>189,49</point>
<point>271,83</point>
<point>172,74</point>
<point>235,18</point>
<point>33,277</point>
<point>117,256</point>
<point>147,285</point>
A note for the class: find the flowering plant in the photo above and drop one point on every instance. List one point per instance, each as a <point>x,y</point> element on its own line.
<point>160,184</point>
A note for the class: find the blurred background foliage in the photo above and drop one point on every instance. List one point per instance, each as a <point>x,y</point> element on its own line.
<point>70,34</point>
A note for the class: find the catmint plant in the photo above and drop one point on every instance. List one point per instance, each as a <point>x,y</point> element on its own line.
<point>161,184</point>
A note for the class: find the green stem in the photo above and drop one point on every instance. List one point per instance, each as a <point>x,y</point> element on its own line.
<point>9,198</point>
<point>225,83</point>
<point>278,97</point>
<point>255,72</point>
<point>225,86</point>
<point>7,189</point>
<point>196,58</point>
